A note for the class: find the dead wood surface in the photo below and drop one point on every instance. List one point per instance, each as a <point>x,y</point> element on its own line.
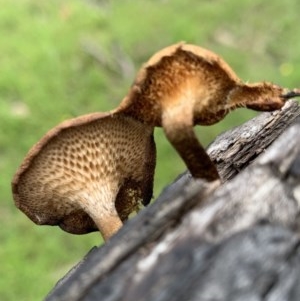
<point>205,241</point>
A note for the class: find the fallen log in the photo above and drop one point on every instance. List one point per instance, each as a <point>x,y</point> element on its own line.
<point>206,241</point>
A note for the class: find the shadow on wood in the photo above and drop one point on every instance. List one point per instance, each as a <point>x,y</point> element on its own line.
<point>206,241</point>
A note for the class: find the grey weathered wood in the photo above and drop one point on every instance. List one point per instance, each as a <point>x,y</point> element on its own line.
<point>237,148</point>
<point>200,241</point>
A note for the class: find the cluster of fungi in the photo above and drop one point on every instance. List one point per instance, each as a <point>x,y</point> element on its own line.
<point>90,173</point>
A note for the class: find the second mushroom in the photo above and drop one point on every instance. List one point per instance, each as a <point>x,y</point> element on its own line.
<point>87,173</point>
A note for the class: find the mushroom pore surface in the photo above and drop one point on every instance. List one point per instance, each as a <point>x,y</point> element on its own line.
<point>75,174</point>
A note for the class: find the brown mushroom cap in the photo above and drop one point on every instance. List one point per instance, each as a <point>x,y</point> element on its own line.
<point>73,175</point>
<point>198,51</point>
<point>169,75</point>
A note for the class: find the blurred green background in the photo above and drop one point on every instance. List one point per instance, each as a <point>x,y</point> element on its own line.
<point>63,58</point>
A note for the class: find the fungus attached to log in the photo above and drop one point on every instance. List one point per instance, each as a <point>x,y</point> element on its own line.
<point>92,171</point>
<point>184,85</point>
<point>87,173</point>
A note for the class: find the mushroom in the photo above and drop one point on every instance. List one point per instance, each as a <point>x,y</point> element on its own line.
<point>87,174</point>
<point>185,85</point>
<point>91,172</point>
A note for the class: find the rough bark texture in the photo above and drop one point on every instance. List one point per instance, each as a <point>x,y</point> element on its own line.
<point>199,241</point>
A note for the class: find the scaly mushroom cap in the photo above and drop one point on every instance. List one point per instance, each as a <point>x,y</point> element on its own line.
<point>84,168</point>
<point>177,74</point>
<point>197,83</point>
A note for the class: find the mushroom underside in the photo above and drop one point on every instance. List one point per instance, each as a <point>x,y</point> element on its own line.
<point>76,173</point>
<point>72,218</point>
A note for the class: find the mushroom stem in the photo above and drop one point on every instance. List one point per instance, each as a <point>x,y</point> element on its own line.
<point>108,225</point>
<point>181,135</point>
<point>100,206</point>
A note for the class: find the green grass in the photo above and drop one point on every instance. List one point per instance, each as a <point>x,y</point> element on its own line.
<point>49,72</point>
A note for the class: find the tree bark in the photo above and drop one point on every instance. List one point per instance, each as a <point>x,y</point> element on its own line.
<point>238,240</point>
